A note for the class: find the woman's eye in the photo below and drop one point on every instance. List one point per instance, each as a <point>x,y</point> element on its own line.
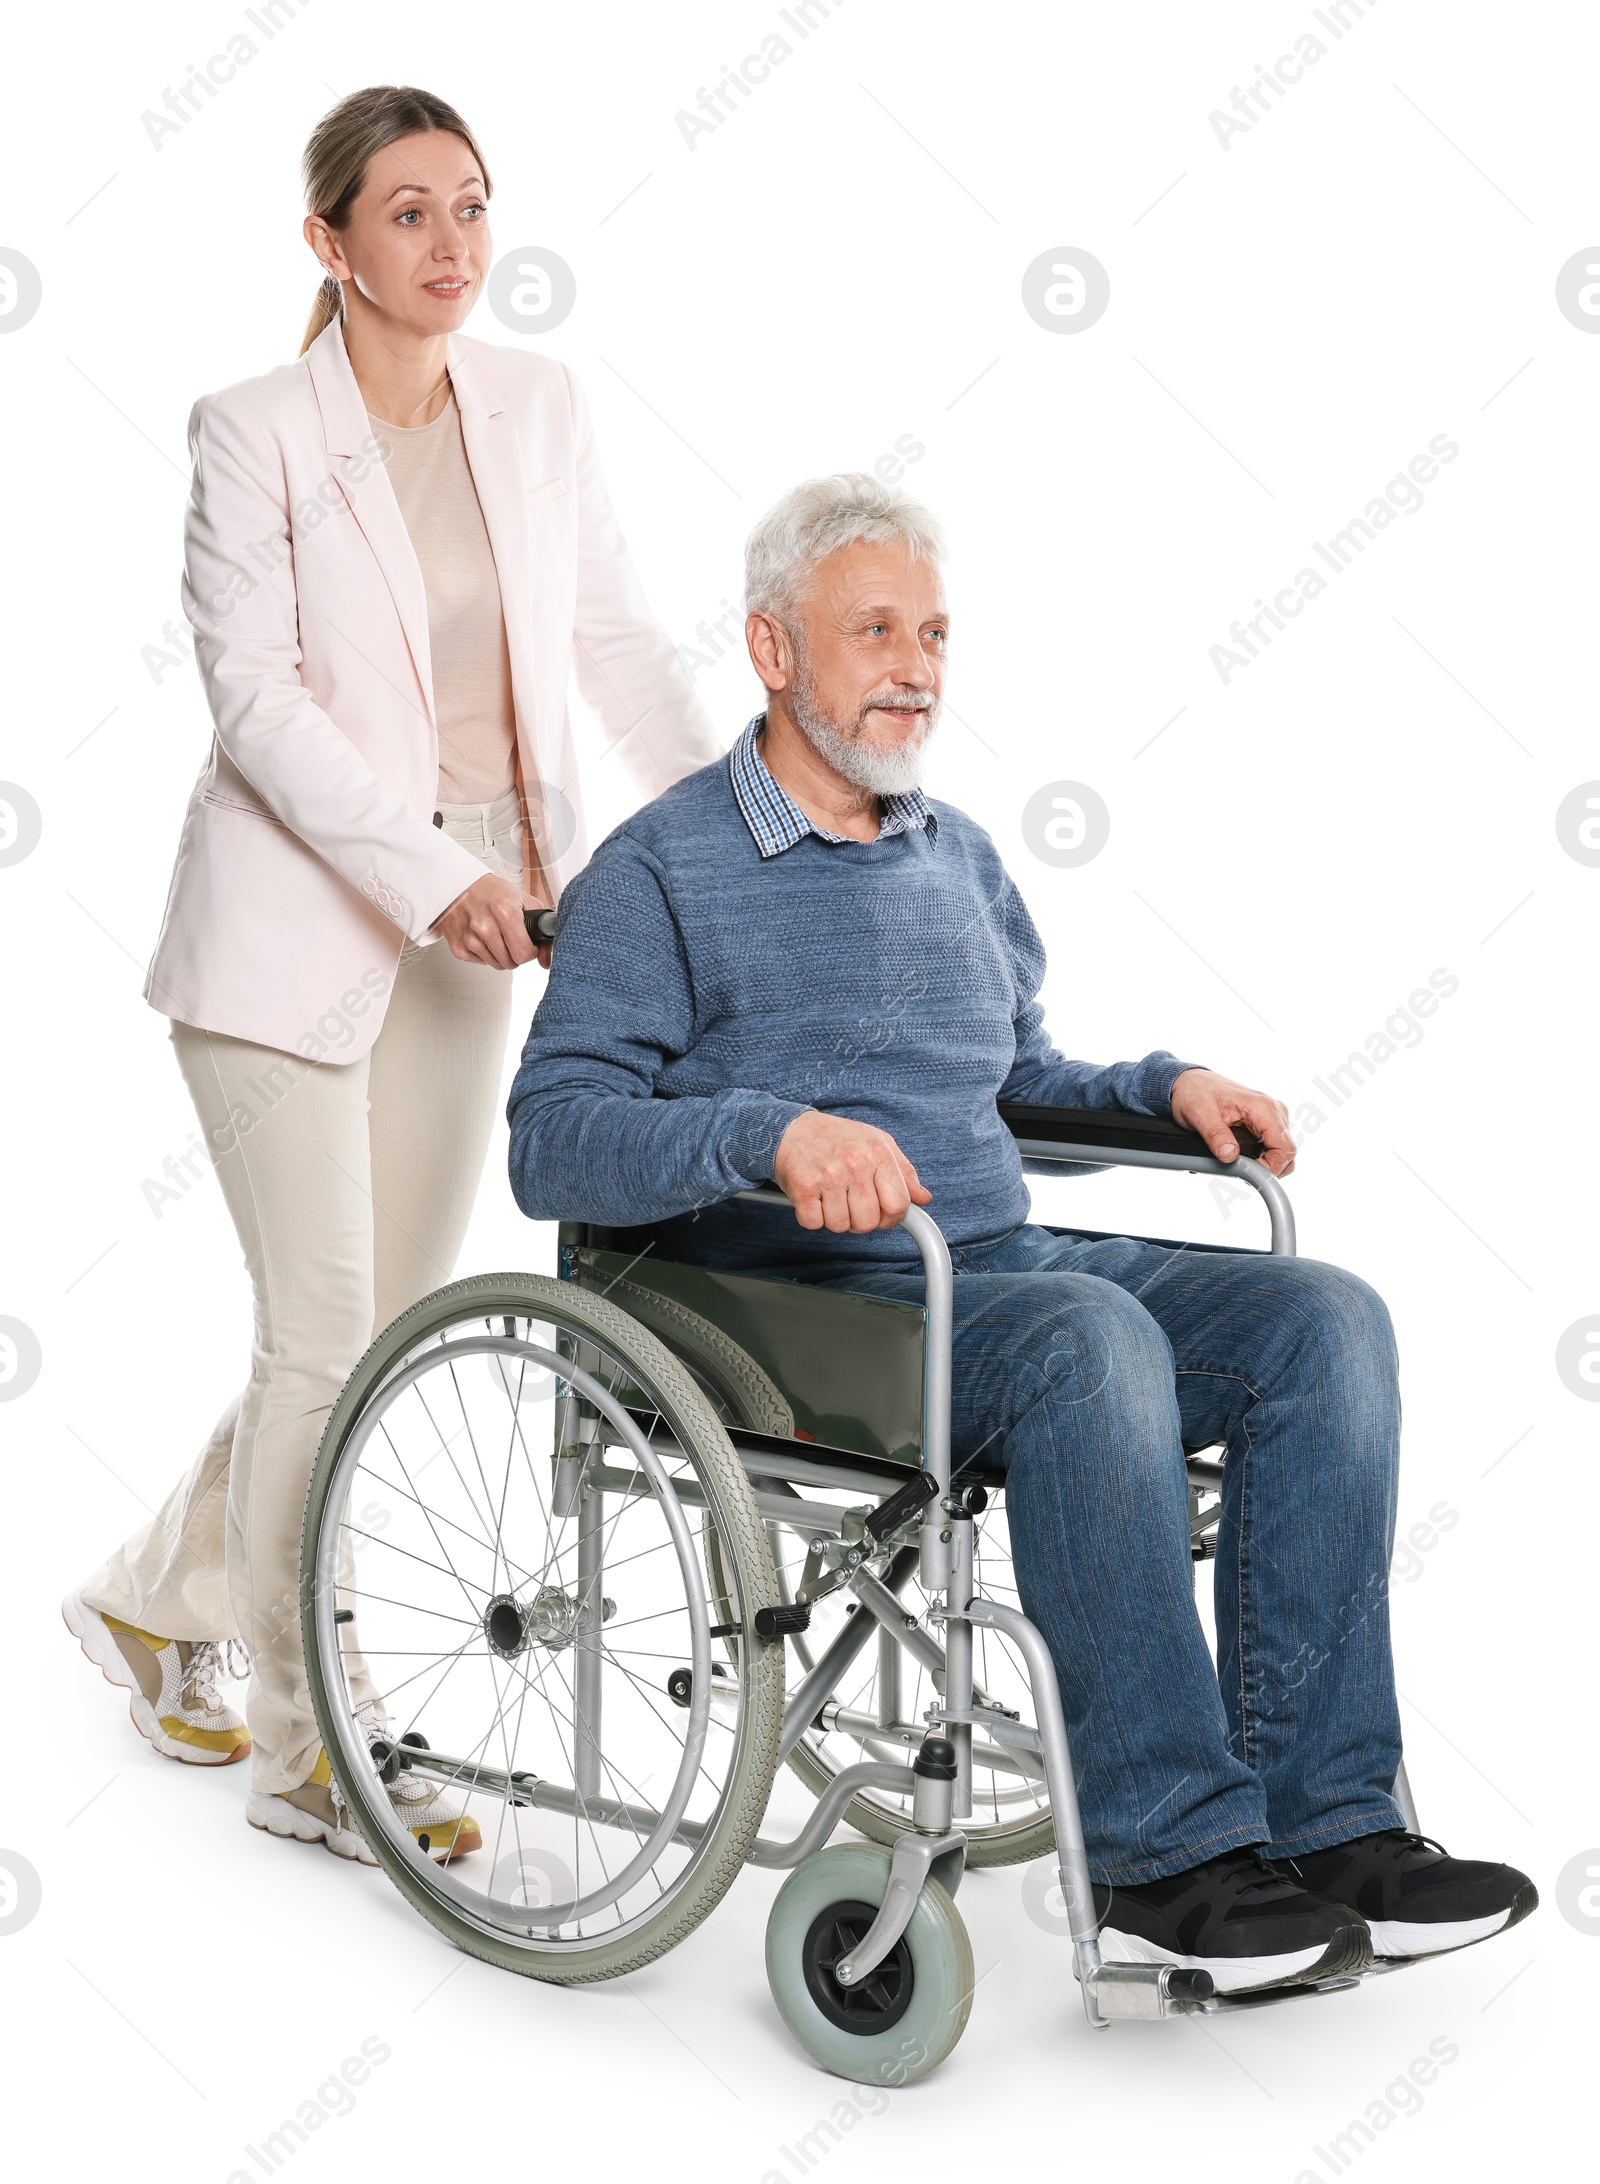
<point>473,211</point>
<point>411,215</point>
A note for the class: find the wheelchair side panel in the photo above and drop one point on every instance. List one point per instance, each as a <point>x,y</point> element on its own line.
<point>851,1367</point>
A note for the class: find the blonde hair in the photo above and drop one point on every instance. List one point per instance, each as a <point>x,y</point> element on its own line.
<point>336,157</point>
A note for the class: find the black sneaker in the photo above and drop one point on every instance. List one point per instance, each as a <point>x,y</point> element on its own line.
<point>1415,1898</point>
<point>1245,1921</point>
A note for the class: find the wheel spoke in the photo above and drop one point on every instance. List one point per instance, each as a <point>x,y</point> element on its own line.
<point>427,1516</point>
<point>389,1487</point>
<point>358,1592</point>
<point>450,1660</point>
<point>395,1549</point>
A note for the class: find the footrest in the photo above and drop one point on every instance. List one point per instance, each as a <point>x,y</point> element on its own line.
<point>1149,1990</point>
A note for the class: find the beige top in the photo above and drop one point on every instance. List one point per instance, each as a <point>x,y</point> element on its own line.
<point>432,481</point>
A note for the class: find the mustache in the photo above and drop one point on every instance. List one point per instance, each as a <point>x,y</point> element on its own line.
<point>910,701</point>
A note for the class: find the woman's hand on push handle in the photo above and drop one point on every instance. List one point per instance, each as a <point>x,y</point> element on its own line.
<point>485,925</point>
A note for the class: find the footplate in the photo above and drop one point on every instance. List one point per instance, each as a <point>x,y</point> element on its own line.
<point>1117,1992</point>
<point>1148,1990</point>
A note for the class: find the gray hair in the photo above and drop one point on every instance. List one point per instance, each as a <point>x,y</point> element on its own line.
<point>817,519</point>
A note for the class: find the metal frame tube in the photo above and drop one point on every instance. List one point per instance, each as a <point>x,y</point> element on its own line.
<point>958,1658</point>
<point>1077,1889</point>
<point>888,1685</point>
<point>806,1704</point>
<point>1279,1211</point>
<point>890,1610</point>
<point>1404,1799</point>
<point>616,1812</point>
<point>770,1468</point>
<point>939,1296</point>
<point>795,1511</point>
<point>849,1721</point>
<point>869,1774</point>
<point>910,1862</point>
<point>938,1284</point>
<point>586,1657</point>
<point>884,1602</point>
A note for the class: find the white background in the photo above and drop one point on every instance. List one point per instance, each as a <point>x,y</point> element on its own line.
<point>1292,318</point>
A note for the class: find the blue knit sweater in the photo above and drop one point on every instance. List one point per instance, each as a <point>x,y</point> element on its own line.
<point>701,996</point>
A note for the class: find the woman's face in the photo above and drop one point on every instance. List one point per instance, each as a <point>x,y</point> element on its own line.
<point>416,245</point>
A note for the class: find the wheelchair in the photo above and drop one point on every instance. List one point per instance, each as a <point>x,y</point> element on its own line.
<point>598,1554</point>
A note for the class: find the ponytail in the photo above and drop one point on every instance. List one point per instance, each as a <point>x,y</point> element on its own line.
<point>328,307</point>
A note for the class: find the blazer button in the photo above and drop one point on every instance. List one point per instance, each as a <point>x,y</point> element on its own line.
<point>438,818</point>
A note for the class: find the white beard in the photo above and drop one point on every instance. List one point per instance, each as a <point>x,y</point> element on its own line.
<point>880,771</point>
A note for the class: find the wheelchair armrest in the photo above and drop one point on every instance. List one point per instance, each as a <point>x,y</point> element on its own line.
<point>1115,1137</point>
<point>1112,1130</point>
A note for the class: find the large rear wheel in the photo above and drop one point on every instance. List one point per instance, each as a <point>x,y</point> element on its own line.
<point>505,1595</point>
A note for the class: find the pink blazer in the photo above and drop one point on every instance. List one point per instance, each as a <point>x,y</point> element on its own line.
<point>308,852</point>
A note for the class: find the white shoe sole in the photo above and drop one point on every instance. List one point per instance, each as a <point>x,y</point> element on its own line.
<point>275,1816</point>
<point>99,1644</point>
<point>1230,1975</point>
<point>1401,1938</point>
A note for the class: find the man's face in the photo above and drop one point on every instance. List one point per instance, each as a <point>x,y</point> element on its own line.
<point>872,634</point>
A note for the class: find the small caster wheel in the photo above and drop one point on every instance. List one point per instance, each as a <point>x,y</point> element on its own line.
<point>904,2017</point>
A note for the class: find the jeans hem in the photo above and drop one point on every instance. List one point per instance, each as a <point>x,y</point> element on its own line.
<point>1337,1828</point>
<point>1166,1863</point>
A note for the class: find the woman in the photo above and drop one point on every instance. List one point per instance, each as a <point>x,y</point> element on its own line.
<point>396,547</point>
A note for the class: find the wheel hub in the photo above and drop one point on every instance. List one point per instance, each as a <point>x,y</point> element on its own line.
<point>882,1998</point>
<point>549,1617</point>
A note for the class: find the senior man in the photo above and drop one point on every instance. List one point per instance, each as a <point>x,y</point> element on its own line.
<point>796,966</point>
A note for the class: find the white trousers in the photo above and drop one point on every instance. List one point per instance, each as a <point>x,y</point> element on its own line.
<point>350,1187</point>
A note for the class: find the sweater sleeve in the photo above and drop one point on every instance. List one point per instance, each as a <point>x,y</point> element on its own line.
<point>1047,1078</point>
<point>589,1140</point>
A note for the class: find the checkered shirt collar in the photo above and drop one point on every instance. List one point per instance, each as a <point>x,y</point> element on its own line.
<point>776,821</point>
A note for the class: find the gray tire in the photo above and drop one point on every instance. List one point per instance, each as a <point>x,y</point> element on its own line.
<point>823,1902</point>
<point>750,1395</point>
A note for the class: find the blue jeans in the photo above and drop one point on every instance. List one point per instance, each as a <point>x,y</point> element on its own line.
<point>1086,1366</point>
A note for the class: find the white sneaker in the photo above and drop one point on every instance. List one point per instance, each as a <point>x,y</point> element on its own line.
<point>317,1813</point>
<point>171,1684</point>
<point>313,1813</point>
<point>439,1829</point>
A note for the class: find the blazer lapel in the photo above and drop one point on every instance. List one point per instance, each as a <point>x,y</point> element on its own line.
<point>494,455</point>
<point>364,481</point>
